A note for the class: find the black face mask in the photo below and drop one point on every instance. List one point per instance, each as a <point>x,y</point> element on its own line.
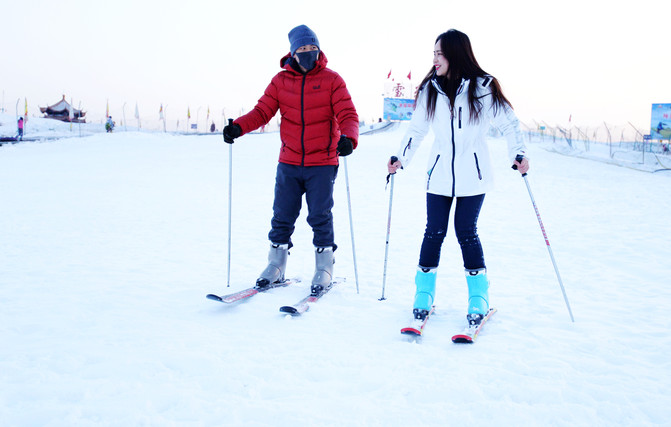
<point>308,59</point>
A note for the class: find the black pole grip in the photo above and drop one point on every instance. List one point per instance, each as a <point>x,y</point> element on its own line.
<point>519,159</point>
<point>223,131</point>
<point>394,159</point>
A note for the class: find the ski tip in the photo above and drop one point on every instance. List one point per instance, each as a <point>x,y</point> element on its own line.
<point>213,297</point>
<point>411,331</point>
<point>462,339</point>
<point>289,310</point>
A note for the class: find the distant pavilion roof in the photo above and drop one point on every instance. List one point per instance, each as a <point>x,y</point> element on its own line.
<point>61,111</point>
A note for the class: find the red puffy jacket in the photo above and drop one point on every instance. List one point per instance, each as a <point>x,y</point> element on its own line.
<point>316,109</point>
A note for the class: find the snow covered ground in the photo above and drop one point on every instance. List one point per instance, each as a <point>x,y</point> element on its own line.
<point>625,154</point>
<point>37,128</point>
<point>110,242</point>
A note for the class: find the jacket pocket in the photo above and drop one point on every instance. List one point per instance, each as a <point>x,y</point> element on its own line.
<point>477,166</point>
<point>430,172</point>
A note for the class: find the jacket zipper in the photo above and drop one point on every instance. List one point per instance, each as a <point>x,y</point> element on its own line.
<point>428,181</point>
<point>303,120</point>
<point>477,166</point>
<point>459,117</point>
<point>454,151</point>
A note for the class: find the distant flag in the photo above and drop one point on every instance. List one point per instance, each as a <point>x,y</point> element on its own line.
<point>71,113</point>
<point>137,116</point>
<point>107,109</point>
<point>161,116</point>
<point>569,117</point>
<point>389,75</point>
<point>410,75</point>
<point>188,112</point>
<point>208,114</point>
<point>26,107</point>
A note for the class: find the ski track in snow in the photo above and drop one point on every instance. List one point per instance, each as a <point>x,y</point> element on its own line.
<point>110,243</point>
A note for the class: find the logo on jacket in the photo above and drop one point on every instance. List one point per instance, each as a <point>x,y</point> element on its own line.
<point>316,87</point>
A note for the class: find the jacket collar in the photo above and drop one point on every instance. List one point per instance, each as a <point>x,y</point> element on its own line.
<point>482,81</point>
<point>286,61</point>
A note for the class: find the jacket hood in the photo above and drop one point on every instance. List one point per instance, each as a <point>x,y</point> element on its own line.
<point>285,63</point>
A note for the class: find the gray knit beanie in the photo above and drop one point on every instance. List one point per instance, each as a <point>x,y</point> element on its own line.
<point>301,36</point>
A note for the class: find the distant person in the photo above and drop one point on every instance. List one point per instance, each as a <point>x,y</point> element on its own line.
<point>319,123</point>
<point>20,125</point>
<point>212,128</point>
<point>458,100</point>
<point>109,124</point>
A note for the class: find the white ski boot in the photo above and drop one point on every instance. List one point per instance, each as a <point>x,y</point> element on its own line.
<point>324,261</point>
<point>277,264</point>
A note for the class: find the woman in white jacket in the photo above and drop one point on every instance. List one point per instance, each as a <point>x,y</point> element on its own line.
<point>460,102</point>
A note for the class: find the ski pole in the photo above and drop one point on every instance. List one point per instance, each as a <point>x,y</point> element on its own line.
<point>545,236</point>
<point>394,159</point>
<point>230,198</point>
<point>351,225</point>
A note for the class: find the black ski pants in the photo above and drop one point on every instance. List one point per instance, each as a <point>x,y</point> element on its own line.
<point>291,183</point>
<point>465,226</point>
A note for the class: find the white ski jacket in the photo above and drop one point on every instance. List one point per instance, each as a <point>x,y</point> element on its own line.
<point>459,164</point>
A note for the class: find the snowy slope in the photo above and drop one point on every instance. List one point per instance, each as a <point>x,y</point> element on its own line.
<point>110,243</point>
<point>36,128</point>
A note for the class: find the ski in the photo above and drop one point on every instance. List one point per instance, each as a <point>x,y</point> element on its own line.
<point>304,305</point>
<point>250,292</point>
<point>470,333</point>
<point>417,326</point>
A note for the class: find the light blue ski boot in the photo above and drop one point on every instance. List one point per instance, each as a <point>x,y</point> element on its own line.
<point>425,280</point>
<point>478,294</point>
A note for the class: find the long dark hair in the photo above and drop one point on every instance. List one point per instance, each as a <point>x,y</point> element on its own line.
<point>456,47</point>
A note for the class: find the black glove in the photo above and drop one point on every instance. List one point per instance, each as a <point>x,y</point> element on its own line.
<point>231,132</point>
<point>345,146</point>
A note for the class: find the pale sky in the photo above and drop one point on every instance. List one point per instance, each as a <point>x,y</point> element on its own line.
<point>593,60</point>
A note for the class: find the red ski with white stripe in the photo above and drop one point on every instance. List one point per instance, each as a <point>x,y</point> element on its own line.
<point>417,328</point>
<point>250,292</point>
<point>304,305</point>
<point>470,334</point>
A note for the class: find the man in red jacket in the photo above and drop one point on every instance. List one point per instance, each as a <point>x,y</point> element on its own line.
<point>319,123</point>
